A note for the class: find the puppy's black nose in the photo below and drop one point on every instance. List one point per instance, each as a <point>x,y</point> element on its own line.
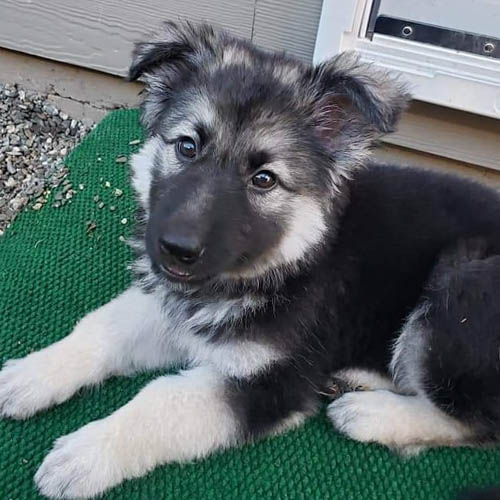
<point>183,250</point>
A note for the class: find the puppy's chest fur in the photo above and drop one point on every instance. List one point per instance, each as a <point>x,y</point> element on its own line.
<point>208,331</point>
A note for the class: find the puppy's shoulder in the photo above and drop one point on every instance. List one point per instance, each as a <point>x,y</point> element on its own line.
<point>392,185</point>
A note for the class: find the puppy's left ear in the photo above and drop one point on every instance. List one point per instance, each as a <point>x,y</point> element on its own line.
<point>374,96</point>
<point>353,105</point>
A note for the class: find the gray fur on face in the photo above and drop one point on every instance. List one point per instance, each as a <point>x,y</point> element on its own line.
<point>249,110</point>
<point>183,48</point>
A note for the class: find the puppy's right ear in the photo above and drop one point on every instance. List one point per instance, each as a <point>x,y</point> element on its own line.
<point>175,44</point>
<point>149,55</point>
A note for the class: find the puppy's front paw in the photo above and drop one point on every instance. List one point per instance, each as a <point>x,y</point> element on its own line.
<point>365,416</point>
<point>81,465</point>
<point>24,389</point>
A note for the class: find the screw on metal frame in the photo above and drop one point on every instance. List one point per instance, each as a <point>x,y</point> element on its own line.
<point>407,31</point>
<point>488,47</point>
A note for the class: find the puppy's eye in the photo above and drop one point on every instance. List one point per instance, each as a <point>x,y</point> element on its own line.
<point>264,180</point>
<point>187,147</point>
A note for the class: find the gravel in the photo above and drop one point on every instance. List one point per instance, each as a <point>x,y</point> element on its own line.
<point>34,139</point>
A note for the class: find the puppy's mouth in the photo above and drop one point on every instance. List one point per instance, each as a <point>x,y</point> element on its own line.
<point>176,273</point>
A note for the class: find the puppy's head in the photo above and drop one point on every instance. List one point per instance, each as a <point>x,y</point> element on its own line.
<point>248,151</point>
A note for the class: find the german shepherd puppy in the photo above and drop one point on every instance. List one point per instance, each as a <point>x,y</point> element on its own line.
<point>278,265</point>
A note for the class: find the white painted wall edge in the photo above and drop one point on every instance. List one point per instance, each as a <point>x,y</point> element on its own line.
<point>458,80</point>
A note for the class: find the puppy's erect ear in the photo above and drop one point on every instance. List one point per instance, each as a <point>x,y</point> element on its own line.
<point>175,51</point>
<point>355,104</point>
<point>377,95</point>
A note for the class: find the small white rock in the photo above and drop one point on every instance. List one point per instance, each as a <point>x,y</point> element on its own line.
<point>18,202</point>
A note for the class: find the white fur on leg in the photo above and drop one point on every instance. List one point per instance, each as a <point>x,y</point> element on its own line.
<point>175,418</point>
<point>394,420</point>
<point>120,337</point>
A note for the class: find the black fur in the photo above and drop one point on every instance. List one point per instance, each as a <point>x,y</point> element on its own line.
<point>347,309</point>
<point>462,376</point>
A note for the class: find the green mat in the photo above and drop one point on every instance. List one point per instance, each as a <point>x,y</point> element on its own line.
<point>55,267</point>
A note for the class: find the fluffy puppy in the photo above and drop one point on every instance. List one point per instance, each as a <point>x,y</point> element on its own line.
<point>276,262</point>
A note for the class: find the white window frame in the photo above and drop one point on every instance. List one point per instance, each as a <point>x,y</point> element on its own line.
<point>437,75</point>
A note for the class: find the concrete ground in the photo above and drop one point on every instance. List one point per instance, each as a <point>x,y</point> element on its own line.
<point>80,93</point>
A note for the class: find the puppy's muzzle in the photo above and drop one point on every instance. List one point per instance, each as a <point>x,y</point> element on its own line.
<point>179,254</point>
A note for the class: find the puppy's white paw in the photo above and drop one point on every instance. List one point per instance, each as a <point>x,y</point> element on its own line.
<point>366,416</point>
<point>81,465</point>
<point>24,387</point>
<point>407,424</point>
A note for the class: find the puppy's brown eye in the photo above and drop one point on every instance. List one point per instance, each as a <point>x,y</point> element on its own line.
<point>264,180</point>
<point>186,147</point>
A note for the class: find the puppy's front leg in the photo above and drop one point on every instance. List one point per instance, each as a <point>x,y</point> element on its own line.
<point>128,333</point>
<point>174,418</point>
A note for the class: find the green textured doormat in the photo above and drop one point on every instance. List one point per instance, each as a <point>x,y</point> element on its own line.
<point>56,264</point>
